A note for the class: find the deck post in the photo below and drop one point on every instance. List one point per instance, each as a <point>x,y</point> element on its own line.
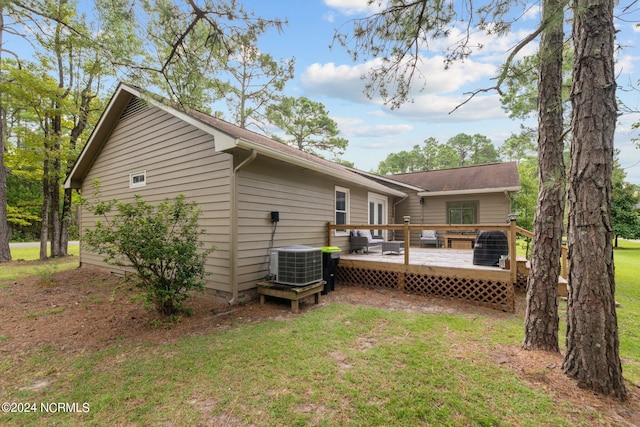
<point>401,280</point>
<point>513,268</point>
<point>407,238</point>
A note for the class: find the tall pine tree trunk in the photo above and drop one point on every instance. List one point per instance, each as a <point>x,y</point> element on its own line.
<point>5,250</point>
<point>46,203</point>
<point>54,188</point>
<point>592,356</point>
<point>541,321</point>
<point>65,222</point>
<point>86,97</point>
<point>54,211</point>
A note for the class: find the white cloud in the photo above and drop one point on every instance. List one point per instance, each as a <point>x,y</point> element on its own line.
<point>444,91</point>
<point>329,17</point>
<point>629,156</point>
<point>485,47</point>
<point>354,7</point>
<point>348,121</point>
<point>353,128</point>
<point>385,145</point>
<point>345,82</point>
<point>625,123</point>
<point>625,64</point>
<point>437,108</point>
<point>532,11</point>
<point>340,81</point>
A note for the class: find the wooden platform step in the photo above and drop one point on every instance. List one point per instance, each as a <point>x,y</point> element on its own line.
<point>563,287</point>
<point>524,266</point>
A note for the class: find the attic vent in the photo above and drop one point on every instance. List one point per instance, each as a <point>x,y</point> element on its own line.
<point>136,105</point>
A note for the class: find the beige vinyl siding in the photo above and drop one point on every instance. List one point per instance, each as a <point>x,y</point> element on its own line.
<point>411,207</point>
<point>493,208</point>
<point>178,158</point>
<point>305,201</point>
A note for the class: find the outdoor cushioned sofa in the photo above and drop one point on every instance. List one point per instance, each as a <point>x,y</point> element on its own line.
<point>362,240</point>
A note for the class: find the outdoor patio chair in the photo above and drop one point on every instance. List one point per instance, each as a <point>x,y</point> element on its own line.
<point>429,237</point>
<point>362,240</point>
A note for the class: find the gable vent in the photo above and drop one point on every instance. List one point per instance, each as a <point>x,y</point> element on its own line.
<point>136,106</point>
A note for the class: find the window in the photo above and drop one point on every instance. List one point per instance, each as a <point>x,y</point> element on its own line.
<point>342,209</point>
<point>462,212</point>
<point>138,179</point>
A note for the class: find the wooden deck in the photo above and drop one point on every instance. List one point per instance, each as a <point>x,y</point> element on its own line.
<point>432,257</point>
<point>448,273</point>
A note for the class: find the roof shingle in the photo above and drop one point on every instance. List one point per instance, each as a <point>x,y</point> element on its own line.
<point>479,177</point>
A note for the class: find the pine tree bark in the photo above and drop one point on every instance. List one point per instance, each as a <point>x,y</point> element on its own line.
<point>86,97</point>
<point>65,221</point>
<point>541,320</point>
<point>5,250</point>
<point>55,172</point>
<point>592,356</point>
<point>46,202</point>
<point>54,213</point>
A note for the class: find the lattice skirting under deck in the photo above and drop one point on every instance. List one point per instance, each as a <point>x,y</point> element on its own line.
<point>521,283</point>
<point>522,277</point>
<point>488,293</point>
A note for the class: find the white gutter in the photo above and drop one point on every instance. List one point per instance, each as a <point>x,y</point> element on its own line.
<point>467,191</point>
<point>234,226</point>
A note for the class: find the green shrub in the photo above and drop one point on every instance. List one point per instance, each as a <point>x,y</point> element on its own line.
<point>160,242</point>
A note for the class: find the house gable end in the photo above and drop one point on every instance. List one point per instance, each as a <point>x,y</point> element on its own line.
<point>107,122</point>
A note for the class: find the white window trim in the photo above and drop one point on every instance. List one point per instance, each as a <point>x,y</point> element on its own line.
<point>347,193</point>
<point>138,184</point>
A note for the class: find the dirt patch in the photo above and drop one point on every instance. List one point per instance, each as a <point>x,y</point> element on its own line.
<point>88,309</point>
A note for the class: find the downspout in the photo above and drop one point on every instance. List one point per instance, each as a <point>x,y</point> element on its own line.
<point>234,226</point>
<point>393,214</point>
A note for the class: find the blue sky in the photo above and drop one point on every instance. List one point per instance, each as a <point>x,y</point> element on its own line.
<point>328,75</point>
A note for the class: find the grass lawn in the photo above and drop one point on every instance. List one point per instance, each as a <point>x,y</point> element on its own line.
<point>627,262</point>
<point>33,266</point>
<point>336,365</point>
<point>31,254</point>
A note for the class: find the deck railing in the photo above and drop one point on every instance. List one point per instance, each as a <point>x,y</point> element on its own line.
<point>510,229</point>
<point>529,234</point>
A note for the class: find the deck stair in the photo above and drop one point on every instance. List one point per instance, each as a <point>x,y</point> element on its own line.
<point>524,266</point>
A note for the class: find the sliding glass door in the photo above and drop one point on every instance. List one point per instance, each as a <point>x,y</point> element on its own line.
<point>378,213</point>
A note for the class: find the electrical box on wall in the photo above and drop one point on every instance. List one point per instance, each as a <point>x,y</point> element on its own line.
<point>275,216</point>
